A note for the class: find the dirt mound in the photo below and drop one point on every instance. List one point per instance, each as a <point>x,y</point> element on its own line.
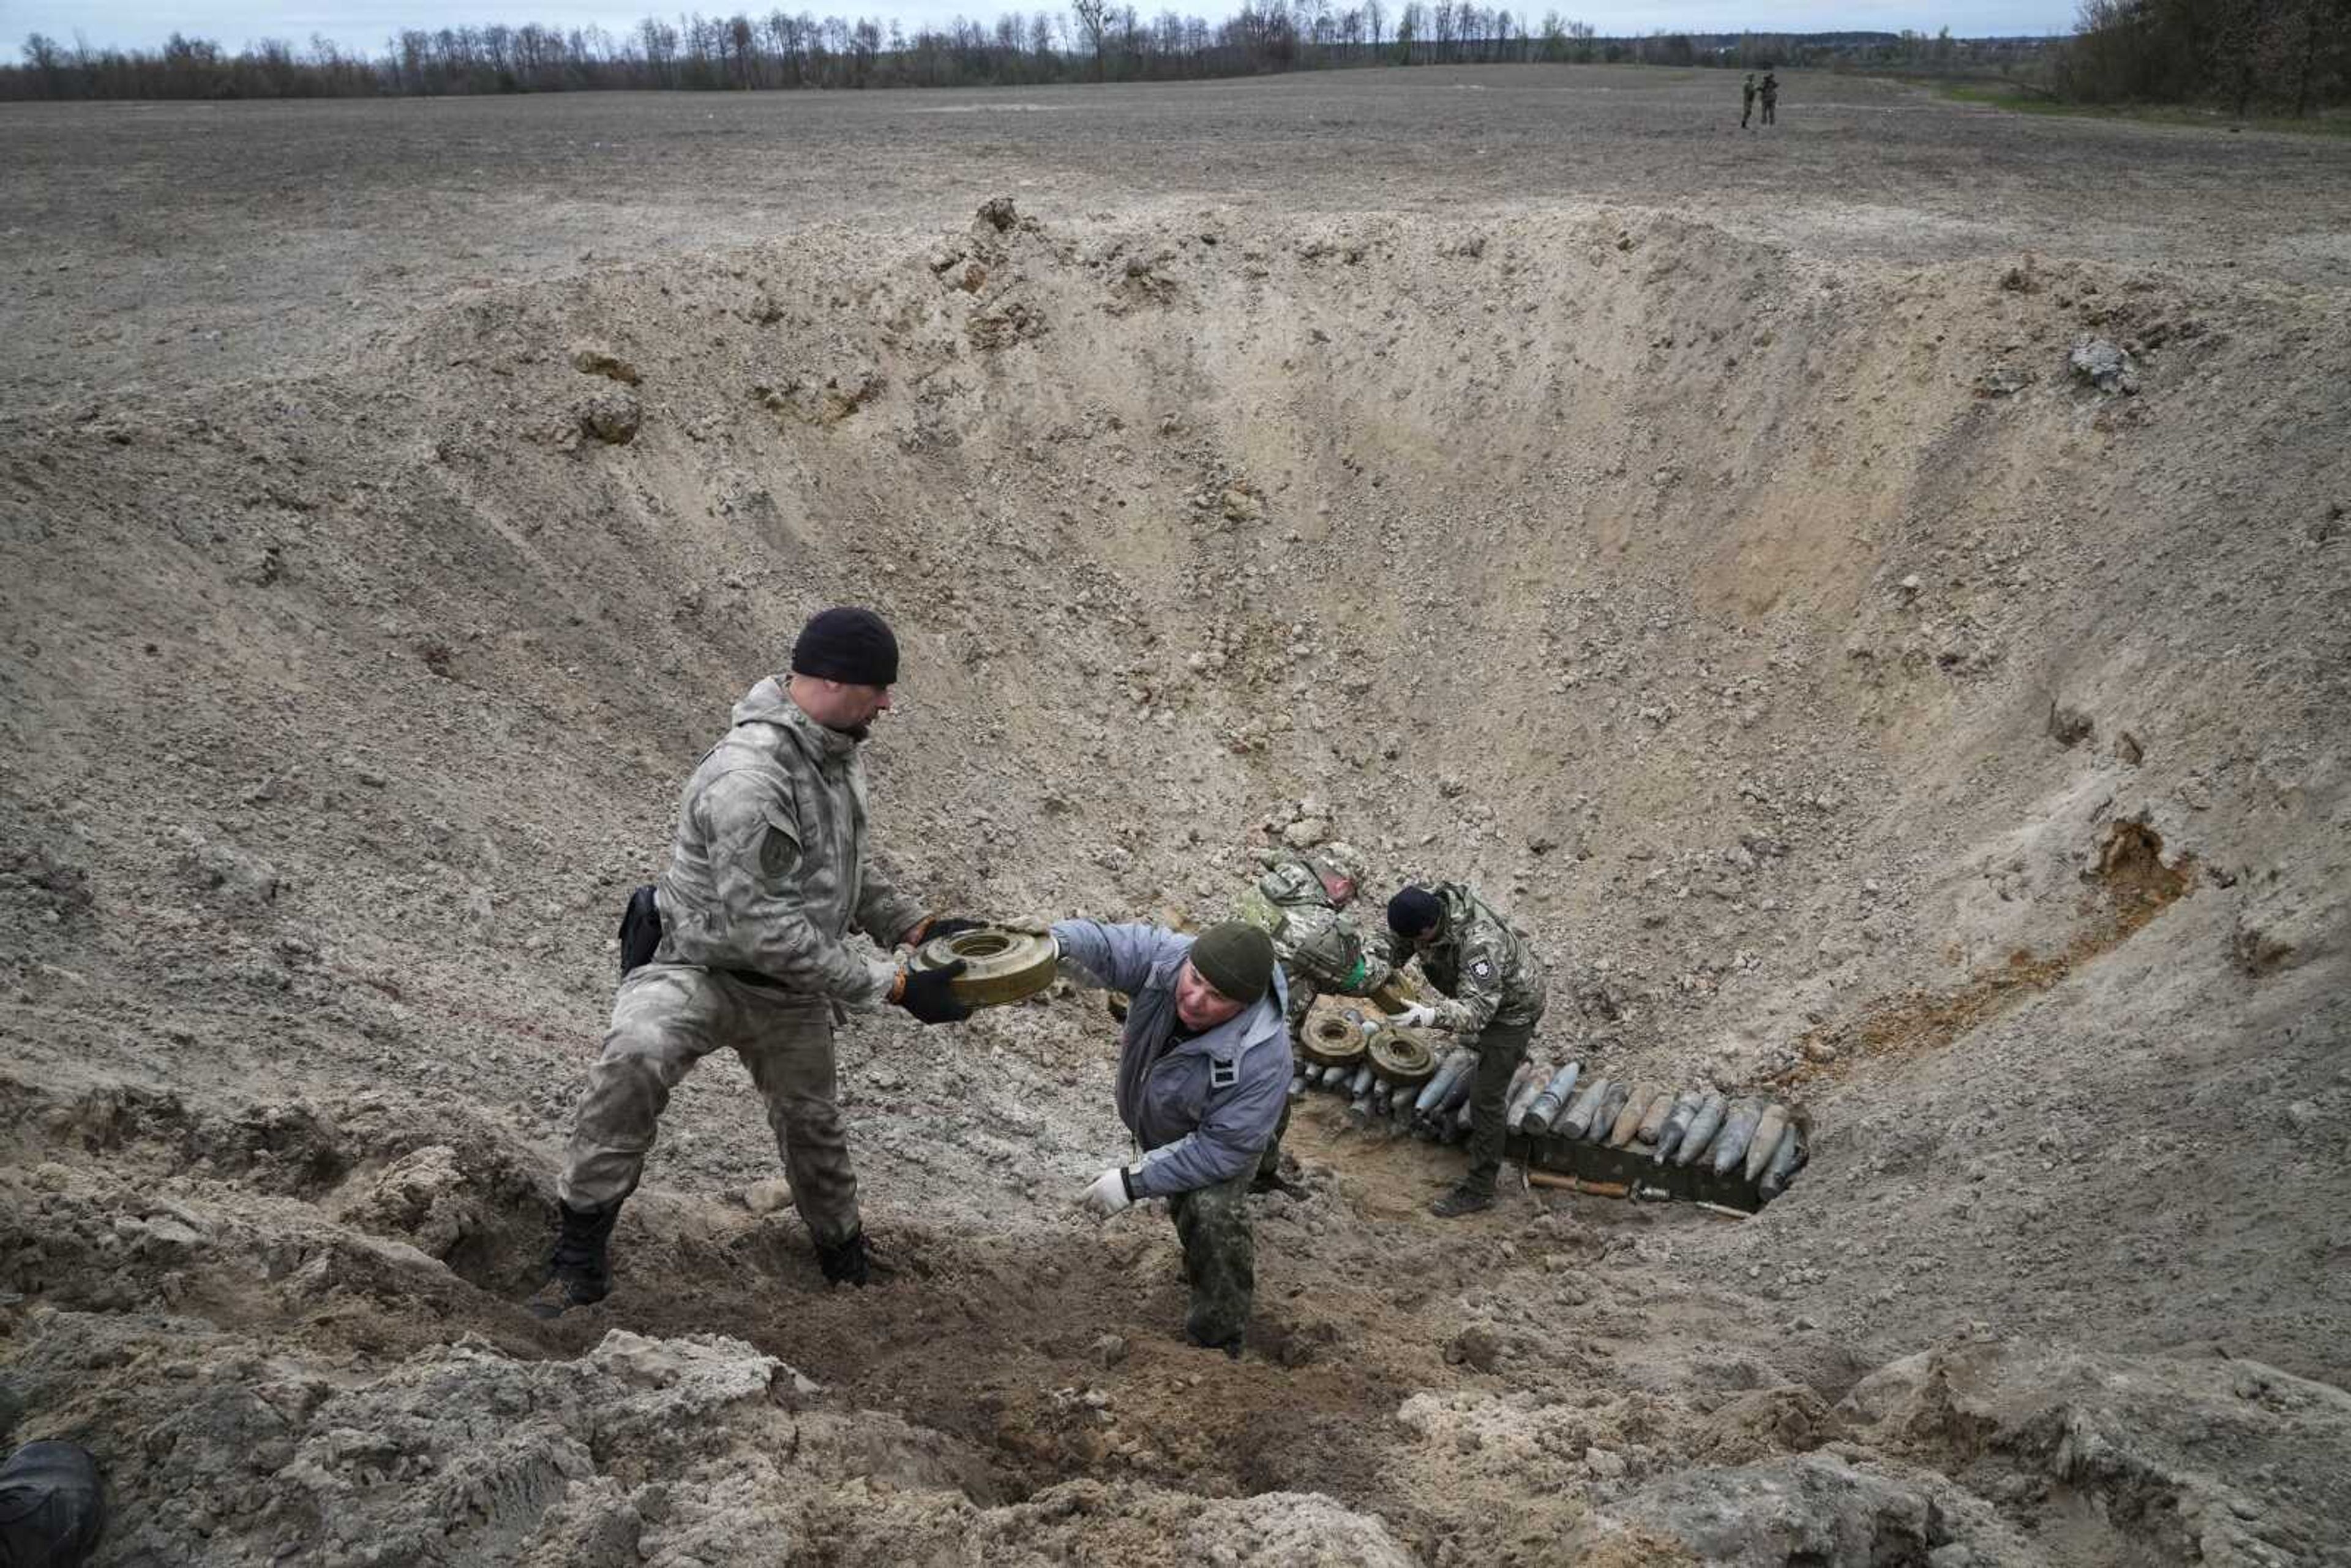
<point>1837,691</point>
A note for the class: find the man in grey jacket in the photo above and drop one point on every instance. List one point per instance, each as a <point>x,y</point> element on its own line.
<point>1203,1074</point>
<point>768,875</point>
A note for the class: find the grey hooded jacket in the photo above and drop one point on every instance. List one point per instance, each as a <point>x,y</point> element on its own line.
<point>768,872</point>
<point>1203,1110</point>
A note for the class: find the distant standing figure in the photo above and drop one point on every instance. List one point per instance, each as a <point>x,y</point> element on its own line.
<point>1745,101</point>
<point>1771,99</point>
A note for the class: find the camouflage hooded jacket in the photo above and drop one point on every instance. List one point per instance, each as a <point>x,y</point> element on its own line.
<point>1486,972</point>
<point>768,872</point>
<point>1317,944</point>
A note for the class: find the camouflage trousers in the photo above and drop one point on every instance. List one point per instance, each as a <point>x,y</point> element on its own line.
<point>668,1017</point>
<point>1219,1259</point>
<point>1269,1164</point>
<point>1500,1049</point>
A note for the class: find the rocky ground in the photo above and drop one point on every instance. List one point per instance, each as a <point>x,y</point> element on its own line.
<point>1857,680</point>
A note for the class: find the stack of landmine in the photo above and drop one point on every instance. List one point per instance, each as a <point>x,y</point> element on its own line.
<point>1659,1141</point>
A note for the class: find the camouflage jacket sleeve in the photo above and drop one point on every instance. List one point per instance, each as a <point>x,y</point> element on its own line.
<point>759,923</point>
<point>1478,988</point>
<point>882,912</point>
<point>1384,953</point>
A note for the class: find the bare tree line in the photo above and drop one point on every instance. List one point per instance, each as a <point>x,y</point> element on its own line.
<point>2287,54</point>
<point>1094,41</point>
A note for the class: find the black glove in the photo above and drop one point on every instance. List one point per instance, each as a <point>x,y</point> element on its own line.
<point>926,994</point>
<point>948,925</point>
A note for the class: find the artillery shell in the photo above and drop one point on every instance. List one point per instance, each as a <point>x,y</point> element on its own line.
<point>1360,1083</point>
<point>1629,1120</point>
<point>1578,1120</point>
<point>1786,1161</point>
<point>1682,1110</point>
<point>1461,1087</point>
<point>1553,1099</point>
<point>1441,1080</point>
<point>1737,1132</point>
<point>1702,1129</point>
<point>1769,1129</point>
<point>1603,1118</point>
<point>1526,1083</point>
<point>1653,1124</point>
<point>1298,1086</point>
<point>1526,1089</point>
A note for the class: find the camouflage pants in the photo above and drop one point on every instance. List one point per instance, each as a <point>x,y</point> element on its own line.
<point>1269,1164</point>
<point>1219,1259</point>
<point>1500,1049</point>
<point>668,1017</point>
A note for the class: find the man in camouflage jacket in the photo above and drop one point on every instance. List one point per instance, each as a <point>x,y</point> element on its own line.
<point>1301,901</point>
<point>1493,991</point>
<point>769,874</point>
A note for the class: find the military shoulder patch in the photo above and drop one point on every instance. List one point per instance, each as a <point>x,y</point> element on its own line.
<point>1483,968</point>
<point>1223,1074</point>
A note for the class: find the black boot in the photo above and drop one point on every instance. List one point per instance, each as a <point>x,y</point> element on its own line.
<point>1230,1344</point>
<point>1463,1200</point>
<point>845,1261</point>
<point>578,1275</point>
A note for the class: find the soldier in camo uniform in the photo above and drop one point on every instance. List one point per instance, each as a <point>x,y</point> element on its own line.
<point>1301,901</point>
<point>1493,988</point>
<point>768,875</point>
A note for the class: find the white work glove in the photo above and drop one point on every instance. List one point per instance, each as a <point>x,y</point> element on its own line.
<point>1108,1194</point>
<point>1419,1014</point>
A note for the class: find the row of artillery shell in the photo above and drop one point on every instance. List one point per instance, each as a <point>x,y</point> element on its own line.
<point>1761,1141</point>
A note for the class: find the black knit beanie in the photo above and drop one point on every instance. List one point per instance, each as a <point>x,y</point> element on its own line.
<point>1414,911</point>
<point>846,643</point>
<point>1236,958</point>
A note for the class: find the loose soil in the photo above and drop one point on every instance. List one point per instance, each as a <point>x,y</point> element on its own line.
<point>1697,541</point>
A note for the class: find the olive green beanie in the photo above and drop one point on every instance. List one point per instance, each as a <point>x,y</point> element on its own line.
<point>1236,958</point>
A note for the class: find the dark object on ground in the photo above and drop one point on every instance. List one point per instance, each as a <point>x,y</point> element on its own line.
<point>1463,1200</point>
<point>845,1261</point>
<point>578,1275</point>
<point>52,1506</point>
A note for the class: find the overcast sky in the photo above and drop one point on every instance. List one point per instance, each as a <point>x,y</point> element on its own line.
<point>146,23</point>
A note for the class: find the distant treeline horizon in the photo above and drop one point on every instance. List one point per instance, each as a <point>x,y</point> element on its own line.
<point>2291,54</point>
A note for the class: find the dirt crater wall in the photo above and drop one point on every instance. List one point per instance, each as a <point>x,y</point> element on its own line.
<point>1771,638</point>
